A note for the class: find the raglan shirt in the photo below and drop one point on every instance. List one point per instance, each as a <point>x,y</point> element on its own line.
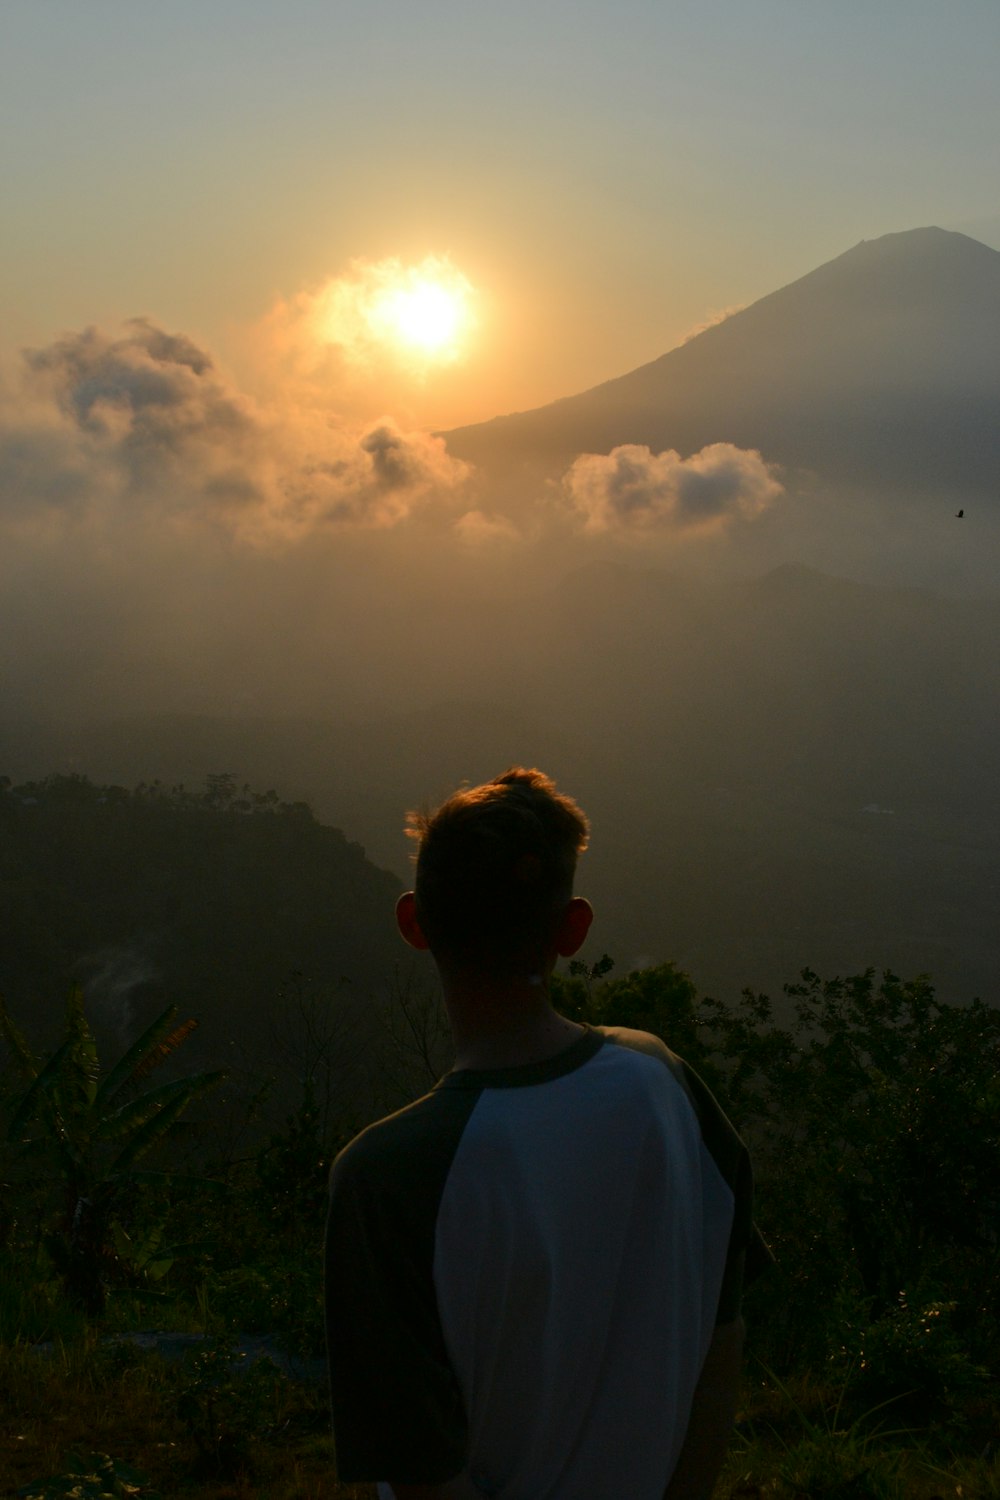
<point>524,1269</point>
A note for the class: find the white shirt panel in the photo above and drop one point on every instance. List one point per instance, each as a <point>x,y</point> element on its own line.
<point>580,1248</point>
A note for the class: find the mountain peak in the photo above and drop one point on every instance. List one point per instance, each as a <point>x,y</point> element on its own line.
<point>879,369</point>
<point>929,243</point>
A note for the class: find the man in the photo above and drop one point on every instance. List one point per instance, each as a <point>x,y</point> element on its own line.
<point>534,1272</point>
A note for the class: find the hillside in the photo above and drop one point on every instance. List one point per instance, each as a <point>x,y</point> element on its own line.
<point>242,910</point>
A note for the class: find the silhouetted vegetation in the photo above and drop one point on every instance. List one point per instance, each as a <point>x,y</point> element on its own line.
<point>86,1133</point>
<point>871,1107</point>
<point>874,1122</point>
<point>243,904</point>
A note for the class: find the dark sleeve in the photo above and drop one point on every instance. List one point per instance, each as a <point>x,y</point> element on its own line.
<point>397,1409</point>
<point>748,1255</point>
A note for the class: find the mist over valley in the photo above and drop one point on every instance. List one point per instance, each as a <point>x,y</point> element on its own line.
<point>726,600</point>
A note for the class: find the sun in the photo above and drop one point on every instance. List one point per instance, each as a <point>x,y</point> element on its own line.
<point>418,315</point>
<point>422,309</point>
<point>426,316</point>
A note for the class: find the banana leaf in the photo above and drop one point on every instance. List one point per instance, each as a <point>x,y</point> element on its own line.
<point>153,1129</point>
<point>163,1050</point>
<point>133,1115</point>
<point>23,1054</point>
<point>80,1084</point>
<point>41,1091</point>
<point>121,1073</point>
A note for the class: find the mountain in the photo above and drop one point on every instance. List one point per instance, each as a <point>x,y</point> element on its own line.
<point>880,369</point>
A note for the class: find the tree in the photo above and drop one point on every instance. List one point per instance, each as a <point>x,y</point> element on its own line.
<point>663,1000</point>
<point>872,1113</point>
<point>92,1130</point>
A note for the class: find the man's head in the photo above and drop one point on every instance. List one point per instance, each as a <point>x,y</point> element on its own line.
<point>495,868</point>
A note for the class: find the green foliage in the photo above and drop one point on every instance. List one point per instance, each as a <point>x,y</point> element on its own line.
<point>293,1168</point>
<point>279,1294</point>
<point>90,1132</point>
<point>32,1304</point>
<point>96,1477</point>
<point>122,1400</point>
<point>817,1450</point>
<point>913,1354</point>
<point>144,1252</point>
<point>252,1264</point>
<point>874,1122</point>
<point>227,1409</point>
<point>873,1118</point>
<point>837,1467</point>
<point>662,1000</point>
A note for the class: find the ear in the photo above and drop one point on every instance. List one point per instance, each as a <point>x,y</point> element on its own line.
<point>574,925</point>
<point>406,921</point>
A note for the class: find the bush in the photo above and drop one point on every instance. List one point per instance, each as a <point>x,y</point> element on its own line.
<point>873,1119</point>
<point>913,1356</point>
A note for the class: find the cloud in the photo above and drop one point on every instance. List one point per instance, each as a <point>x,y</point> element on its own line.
<point>143,427</point>
<point>477,529</point>
<point>149,393</point>
<point>712,320</point>
<point>375,482</point>
<point>134,422</point>
<point>633,488</point>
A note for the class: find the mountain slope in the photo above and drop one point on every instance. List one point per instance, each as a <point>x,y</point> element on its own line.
<point>879,368</point>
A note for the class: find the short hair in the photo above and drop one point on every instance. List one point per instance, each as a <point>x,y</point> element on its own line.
<point>495,868</point>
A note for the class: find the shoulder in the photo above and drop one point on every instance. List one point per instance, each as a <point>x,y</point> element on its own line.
<point>645,1044</point>
<point>718,1133</point>
<point>639,1041</point>
<point>404,1148</point>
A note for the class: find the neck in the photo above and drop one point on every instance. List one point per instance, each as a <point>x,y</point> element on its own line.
<point>497,1024</point>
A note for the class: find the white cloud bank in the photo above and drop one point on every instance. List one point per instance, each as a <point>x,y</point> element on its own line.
<point>633,489</point>
<point>103,433</point>
<point>145,426</point>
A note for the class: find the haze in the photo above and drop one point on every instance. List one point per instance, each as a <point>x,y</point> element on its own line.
<point>734,269</point>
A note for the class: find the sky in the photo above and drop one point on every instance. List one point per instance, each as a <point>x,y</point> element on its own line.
<point>225,230</point>
<point>256,257</point>
<point>604,178</point>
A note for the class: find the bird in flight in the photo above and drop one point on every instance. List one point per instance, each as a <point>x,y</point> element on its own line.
<point>959,514</point>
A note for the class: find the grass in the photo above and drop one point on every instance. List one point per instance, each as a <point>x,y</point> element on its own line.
<point>179,1427</point>
<point>191,1431</point>
<point>795,1441</point>
<point>96,1418</point>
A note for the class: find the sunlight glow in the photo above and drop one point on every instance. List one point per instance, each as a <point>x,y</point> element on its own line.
<point>422,313</point>
<point>426,314</point>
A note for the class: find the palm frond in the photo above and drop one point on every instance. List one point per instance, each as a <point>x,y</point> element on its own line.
<point>40,1091</point>
<point>121,1073</point>
<point>162,1050</point>
<point>155,1127</point>
<point>131,1116</point>
<point>23,1055</point>
<point>81,1080</point>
